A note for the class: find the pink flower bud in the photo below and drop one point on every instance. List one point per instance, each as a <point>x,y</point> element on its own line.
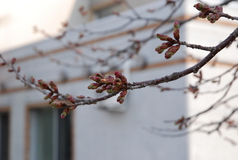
<point>63,115</point>
<point>32,80</point>
<point>176,25</point>
<point>94,85</point>
<point>218,8</point>
<point>110,79</point>
<point>56,104</point>
<point>121,76</point>
<point>110,90</point>
<point>54,97</point>
<point>203,14</point>
<point>202,7</point>
<point>176,34</point>
<point>10,70</point>
<point>99,90</point>
<point>123,93</point>
<point>162,47</point>
<point>13,60</point>
<point>42,84</point>
<point>3,64</point>
<point>159,49</point>
<point>199,6</point>
<point>171,51</point>
<point>117,82</point>
<point>80,97</point>
<point>70,98</point>
<point>120,99</point>
<point>95,78</point>
<point>18,69</point>
<point>163,37</point>
<point>48,95</point>
<point>99,75</point>
<point>213,17</point>
<point>54,86</point>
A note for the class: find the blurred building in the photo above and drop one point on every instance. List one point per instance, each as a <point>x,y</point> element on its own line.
<point>31,130</point>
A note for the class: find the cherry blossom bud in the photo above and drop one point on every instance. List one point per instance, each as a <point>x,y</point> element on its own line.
<point>123,93</point>
<point>176,34</point>
<point>95,78</point>
<point>64,113</point>
<point>117,82</point>
<point>213,17</point>
<point>99,90</point>
<point>121,76</point>
<point>202,7</point>
<point>10,70</point>
<point>199,6</point>
<point>13,60</point>
<point>3,64</point>
<point>42,84</point>
<point>94,85</point>
<point>159,49</point>
<point>32,80</point>
<point>48,95</point>
<point>110,90</point>
<point>80,97</point>
<point>176,25</point>
<point>54,86</point>
<point>99,75</point>
<point>54,97</point>
<point>218,8</point>
<point>120,99</point>
<point>163,37</point>
<point>171,51</point>
<point>56,104</point>
<point>18,69</point>
<point>203,14</point>
<point>162,47</point>
<point>70,98</point>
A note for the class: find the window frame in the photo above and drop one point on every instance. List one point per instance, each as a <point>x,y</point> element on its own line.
<point>42,105</point>
<point>95,7</point>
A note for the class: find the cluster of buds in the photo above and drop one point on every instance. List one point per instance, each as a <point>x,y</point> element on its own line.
<point>212,14</point>
<point>172,45</point>
<point>182,123</point>
<point>110,84</point>
<point>12,69</point>
<point>53,95</point>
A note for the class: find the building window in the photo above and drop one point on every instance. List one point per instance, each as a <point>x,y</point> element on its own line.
<point>4,135</point>
<point>50,136</point>
<point>104,9</point>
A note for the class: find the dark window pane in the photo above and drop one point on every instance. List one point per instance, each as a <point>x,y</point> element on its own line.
<point>4,135</point>
<point>50,135</point>
<point>64,138</point>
